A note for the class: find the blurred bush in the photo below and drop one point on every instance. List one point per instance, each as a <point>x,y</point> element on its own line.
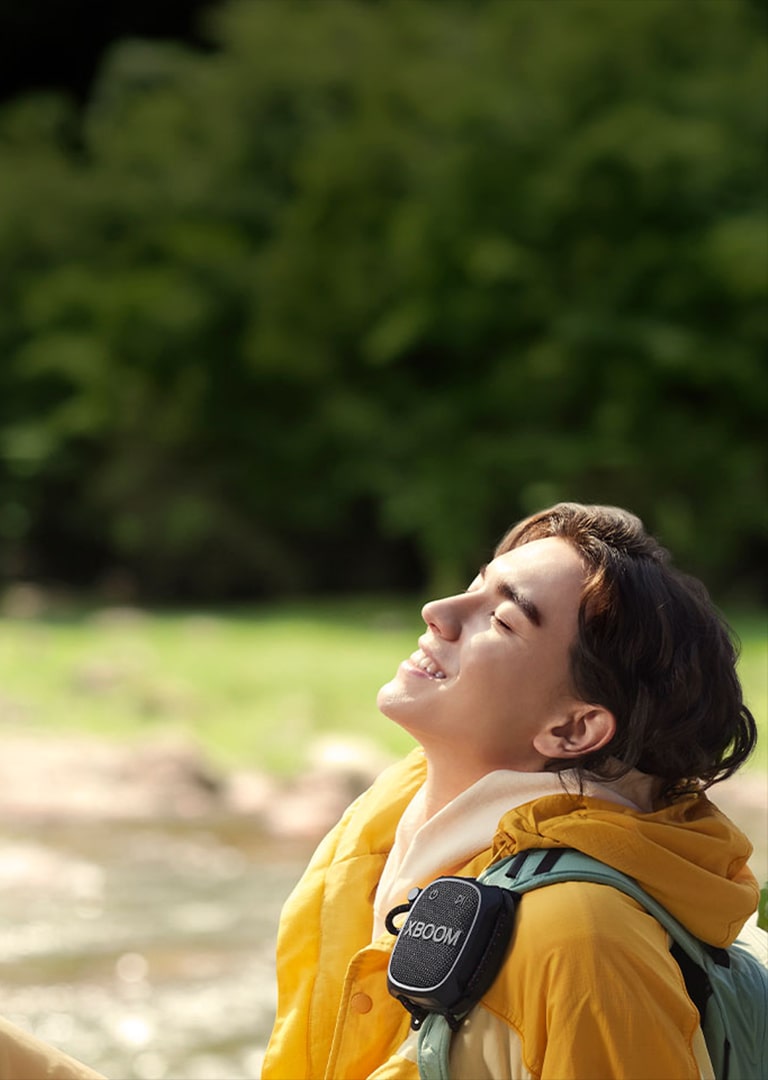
<point>331,303</point>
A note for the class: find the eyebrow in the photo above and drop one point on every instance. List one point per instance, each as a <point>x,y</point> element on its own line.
<point>509,592</point>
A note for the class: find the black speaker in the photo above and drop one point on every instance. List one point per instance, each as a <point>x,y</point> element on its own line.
<point>450,947</point>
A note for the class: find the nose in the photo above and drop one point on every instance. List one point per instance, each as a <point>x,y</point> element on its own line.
<point>443,617</point>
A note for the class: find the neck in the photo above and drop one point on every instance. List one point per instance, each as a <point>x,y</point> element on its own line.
<point>437,796</point>
<point>449,773</point>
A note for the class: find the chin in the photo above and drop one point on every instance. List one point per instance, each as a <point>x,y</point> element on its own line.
<point>394,700</point>
<point>387,696</point>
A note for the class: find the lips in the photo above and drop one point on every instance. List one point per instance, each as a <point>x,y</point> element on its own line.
<point>424,662</point>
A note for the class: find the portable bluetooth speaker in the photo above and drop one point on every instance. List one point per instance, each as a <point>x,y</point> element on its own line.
<point>450,947</point>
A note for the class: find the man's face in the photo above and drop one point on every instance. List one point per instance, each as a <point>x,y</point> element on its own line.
<point>492,670</point>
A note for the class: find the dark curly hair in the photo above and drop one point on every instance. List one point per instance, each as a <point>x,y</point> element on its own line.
<point>652,648</point>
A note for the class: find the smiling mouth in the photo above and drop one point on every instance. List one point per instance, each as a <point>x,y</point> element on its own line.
<point>425,663</point>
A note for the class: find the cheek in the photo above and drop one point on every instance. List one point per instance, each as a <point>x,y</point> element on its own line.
<point>502,684</point>
<point>515,685</point>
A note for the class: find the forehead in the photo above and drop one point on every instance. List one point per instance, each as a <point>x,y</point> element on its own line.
<point>549,567</point>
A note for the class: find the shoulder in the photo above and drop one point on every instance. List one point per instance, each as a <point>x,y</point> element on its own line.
<point>585,911</point>
<point>580,938</point>
<point>591,961</point>
<point>582,928</point>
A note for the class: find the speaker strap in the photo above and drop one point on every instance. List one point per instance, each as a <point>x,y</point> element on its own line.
<point>434,1048</point>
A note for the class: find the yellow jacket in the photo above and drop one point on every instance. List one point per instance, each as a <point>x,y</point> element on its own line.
<point>589,989</point>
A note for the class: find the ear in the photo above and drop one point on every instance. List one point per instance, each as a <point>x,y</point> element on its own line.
<point>584,729</point>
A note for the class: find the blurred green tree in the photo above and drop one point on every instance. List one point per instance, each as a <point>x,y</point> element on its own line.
<point>394,269</point>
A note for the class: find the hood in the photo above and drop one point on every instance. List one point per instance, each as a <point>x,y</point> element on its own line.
<point>688,856</point>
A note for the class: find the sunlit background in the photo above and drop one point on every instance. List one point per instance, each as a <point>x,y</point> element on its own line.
<point>304,303</point>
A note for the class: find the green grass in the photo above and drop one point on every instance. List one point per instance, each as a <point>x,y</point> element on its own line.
<point>752,630</point>
<point>250,686</point>
<point>253,686</point>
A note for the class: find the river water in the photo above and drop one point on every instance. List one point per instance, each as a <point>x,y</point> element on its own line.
<point>144,949</point>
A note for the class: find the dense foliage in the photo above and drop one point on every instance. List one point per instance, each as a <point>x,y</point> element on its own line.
<point>330,304</point>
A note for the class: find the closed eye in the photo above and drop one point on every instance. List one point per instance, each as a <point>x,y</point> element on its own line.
<point>500,622</point>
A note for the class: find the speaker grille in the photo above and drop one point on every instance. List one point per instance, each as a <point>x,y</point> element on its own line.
<point>434,934</point>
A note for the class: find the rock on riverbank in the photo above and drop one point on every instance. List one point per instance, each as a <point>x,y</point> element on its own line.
<point>53,777</point>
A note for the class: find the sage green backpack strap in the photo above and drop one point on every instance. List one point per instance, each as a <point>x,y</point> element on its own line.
<point>434,1047</point>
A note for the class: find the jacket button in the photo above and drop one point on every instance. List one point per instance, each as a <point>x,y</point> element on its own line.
<point>361,1003</point>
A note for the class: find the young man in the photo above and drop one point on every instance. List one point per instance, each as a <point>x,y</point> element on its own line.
<point>583,694</point>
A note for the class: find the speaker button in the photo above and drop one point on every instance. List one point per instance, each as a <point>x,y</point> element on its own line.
<point>361,1003</point>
